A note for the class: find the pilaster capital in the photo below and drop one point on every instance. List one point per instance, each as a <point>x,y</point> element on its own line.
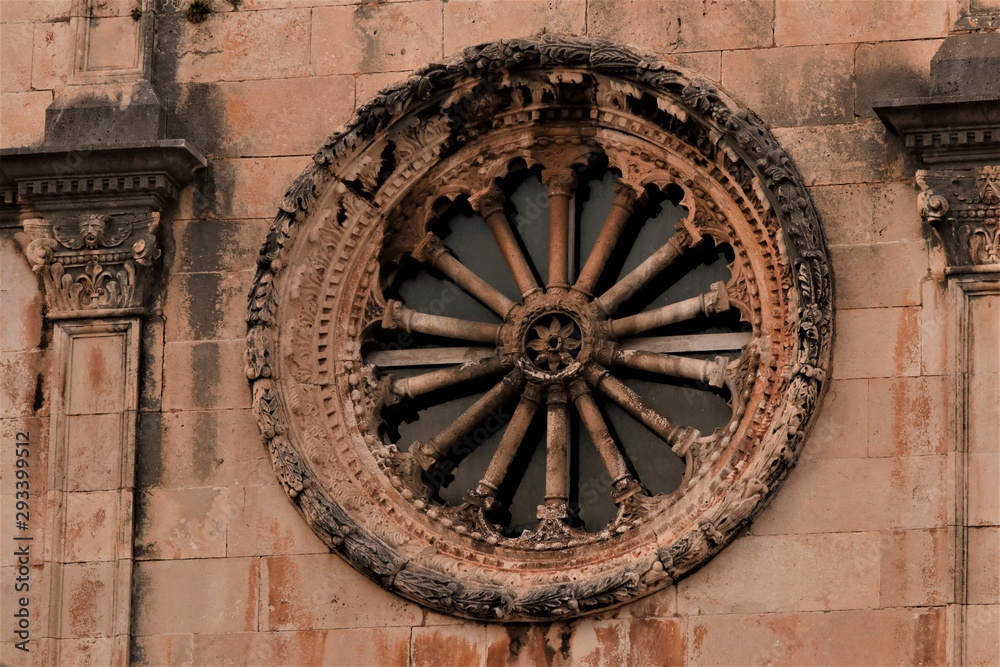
<point>89,220</point>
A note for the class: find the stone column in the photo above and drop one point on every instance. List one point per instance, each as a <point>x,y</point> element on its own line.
<point>955,138</point>
<point>91,237</point>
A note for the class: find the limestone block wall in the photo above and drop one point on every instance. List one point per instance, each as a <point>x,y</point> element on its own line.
<point>853,562</point>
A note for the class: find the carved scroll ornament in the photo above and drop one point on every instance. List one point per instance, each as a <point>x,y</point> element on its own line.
<point>367,204</point>
<point>963,208</point>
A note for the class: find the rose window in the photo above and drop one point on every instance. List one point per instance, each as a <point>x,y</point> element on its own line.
<point>540,331</point>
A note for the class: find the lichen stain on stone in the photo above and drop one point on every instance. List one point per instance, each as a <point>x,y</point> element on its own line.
<point>201,307</point>
<point>206,374</point>
<point>926,639</point>
<point>282,575</point>
<point>204,453</point>
<point>371,49</point>
<point>97,372</point>
<point>83,605</point>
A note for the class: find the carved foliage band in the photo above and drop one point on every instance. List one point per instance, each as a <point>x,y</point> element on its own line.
<point>450,131</point>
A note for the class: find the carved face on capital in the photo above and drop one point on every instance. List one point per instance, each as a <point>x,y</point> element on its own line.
<point>92,229</point>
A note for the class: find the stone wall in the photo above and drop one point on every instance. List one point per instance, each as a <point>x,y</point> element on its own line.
<point>853,562</point>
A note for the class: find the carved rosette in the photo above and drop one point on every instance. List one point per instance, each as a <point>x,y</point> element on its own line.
<point>91,264</point>
<point>963,208</point>
<point>450,131</point>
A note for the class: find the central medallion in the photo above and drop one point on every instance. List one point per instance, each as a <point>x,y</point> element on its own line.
<point>553,342</point>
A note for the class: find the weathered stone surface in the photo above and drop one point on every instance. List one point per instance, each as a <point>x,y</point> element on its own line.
<point>832,154</point>
<point>984,489</point>
<point>706,63</point>
<point>91,652</point>
<point>375,37</point>
<point>470,22</point>
<point>461,645</point>
<point>984,565</point>
<point>15,11</point>
<point>205,375</point>
<point>155,650</point>
<point>823,22</point>
<point>322,591</point>
<point>983,642</point>
<point>894,352</point>
<point>910,416</point>
<point>90,437</point>
<point>791,87</point>
<point>182,523</point>
<point>841,428</point>
<point>234,46</point>
<point>22,379</point>
<point>237,189</point>
<point>917,568</point>
<point>881,275</point>
<point>258,118</point>
<point>22,329</point>
<point>88,599</point>
<point>93,520</point>
<point>891,70</point>
<point>22,118</point>
<point>849,495</point>
<point>203,306</point>
<point>218,596</point>
<point>984,416</point>
<point>860,214</point>
<point>883,637</point>
<point>215,246</point>
<point>15,42</point>
<point>201,448</point>
<point>683,26</point>
<point>264,522</point>
<point>757,574</point>
<point>52,57</point>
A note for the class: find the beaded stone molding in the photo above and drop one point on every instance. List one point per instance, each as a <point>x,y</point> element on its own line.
<point>367,205</point>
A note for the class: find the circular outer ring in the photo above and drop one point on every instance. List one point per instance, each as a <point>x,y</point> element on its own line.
<point>315,294</point>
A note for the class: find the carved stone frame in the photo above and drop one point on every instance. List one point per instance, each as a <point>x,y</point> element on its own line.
<point>316,289</point>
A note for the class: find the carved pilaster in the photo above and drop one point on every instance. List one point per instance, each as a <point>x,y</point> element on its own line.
<point>89,221</point>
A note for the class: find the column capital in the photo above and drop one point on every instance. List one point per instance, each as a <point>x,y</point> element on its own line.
<point>89,220</point>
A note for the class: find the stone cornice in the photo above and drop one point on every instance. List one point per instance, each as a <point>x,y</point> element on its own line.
<point>948,131</point>
<point>955,136</point>
<point>89,218</point>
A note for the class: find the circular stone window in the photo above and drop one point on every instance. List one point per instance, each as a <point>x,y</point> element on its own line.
<point>540,330</point>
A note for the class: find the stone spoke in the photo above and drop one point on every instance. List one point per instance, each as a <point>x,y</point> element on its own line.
<point>510,444</point>
<point>428,356</point>
<point>621,210</point>
<point>412,387</point>
<point>641,275</point>
<point>623,482</point>
<point>710,371</point>
<point>557,432</point>
<point>678,437</point>
<point>398,316</point>
<point>561,184</point>
<point>426,454</point>
<point>710,303</point>
<point>431,251</point>
<point>720,342</point>
<point>490,206</point>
